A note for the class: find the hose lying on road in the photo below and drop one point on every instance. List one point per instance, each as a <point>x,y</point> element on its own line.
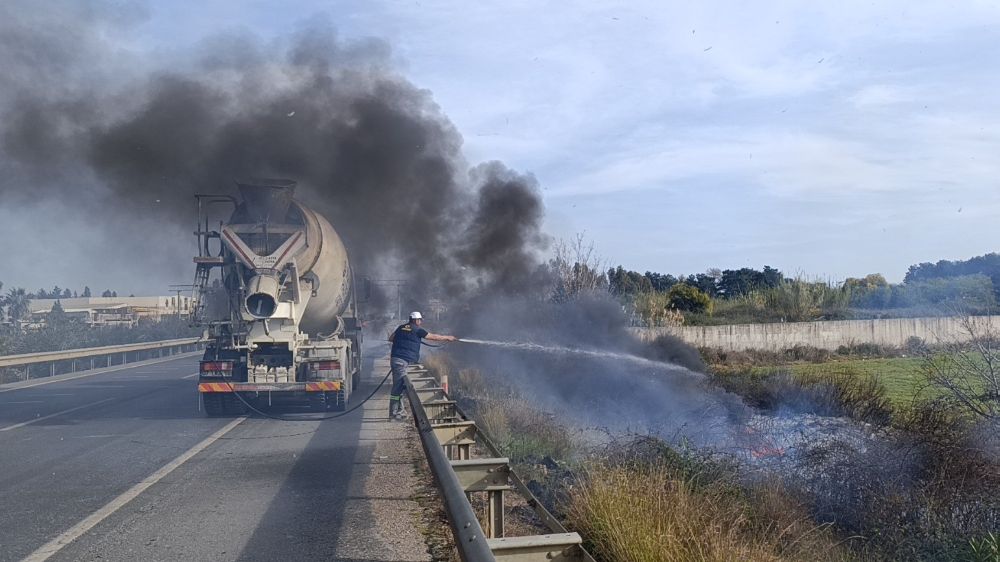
<point>321,418</point>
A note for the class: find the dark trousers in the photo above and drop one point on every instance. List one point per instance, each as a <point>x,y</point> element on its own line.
<point>398,384</point>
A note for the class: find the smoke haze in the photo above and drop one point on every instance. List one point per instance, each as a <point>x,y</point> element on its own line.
<point>370,150</point>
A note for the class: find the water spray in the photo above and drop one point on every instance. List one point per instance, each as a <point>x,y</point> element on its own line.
<point>569,350</point>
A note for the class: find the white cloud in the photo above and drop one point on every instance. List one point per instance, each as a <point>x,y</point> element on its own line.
<point>878,95</point>
<point>854,113</point>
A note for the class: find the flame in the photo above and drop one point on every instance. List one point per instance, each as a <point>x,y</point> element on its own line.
<point>767,451</point>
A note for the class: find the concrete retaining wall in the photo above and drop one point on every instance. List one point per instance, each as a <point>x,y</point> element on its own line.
<point>827,335</point>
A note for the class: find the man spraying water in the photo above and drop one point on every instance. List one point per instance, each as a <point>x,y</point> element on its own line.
<point>406,341</point>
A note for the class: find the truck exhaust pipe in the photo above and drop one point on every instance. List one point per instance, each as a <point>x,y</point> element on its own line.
<point>262,296</point>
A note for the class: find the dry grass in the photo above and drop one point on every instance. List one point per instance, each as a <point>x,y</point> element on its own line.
<point>653,514</point>
<point>521,431</point>
<point>436,364</point>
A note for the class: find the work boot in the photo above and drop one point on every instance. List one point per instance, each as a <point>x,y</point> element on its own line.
<point>393,408</point>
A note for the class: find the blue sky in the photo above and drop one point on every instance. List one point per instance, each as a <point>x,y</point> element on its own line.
<point>833,139</point>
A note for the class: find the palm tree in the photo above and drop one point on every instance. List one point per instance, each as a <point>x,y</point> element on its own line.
<point>17,303</point>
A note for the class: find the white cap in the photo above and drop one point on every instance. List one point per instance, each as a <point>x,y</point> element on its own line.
<point>415,315</point>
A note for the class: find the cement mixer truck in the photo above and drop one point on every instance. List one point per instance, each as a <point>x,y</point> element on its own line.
<point>275,293</point>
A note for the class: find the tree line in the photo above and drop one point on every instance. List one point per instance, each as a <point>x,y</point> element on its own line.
<point>60,293</point>
<point>748,295</point>
<point>16,302</point>
<point>987,265</point>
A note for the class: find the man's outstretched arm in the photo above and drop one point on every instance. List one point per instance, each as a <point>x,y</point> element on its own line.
<point>439,337</point>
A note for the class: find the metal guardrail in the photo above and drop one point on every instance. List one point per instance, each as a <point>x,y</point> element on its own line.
<point>447,436</point>
<point>53,358</point>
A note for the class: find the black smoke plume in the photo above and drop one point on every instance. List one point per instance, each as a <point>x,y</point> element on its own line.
<point>131,140</point>
<point>370,150</point>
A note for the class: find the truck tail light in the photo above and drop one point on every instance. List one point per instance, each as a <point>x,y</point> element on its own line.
<point>216,366</point>
<point>326,365</point>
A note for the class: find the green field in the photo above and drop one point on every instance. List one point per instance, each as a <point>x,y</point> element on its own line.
<point>903,377</point>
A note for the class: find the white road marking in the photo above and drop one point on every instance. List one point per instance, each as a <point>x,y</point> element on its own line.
<point>78,530</point>
<point>25,402</point>
<point>101,372</point>
<point>43,418</point>
<point>190,376</point>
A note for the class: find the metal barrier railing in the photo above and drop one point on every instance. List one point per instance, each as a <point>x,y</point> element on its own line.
<point>70,359</point>
<point>448,437</point>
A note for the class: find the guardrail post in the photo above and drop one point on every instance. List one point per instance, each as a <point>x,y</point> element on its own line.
<point>494,514</point>
<point>457,438</point>
<point>491,476</point>
<point>563,547</point>
<point>441,411</point>
<point>421,383</point>
<point>431,394</point>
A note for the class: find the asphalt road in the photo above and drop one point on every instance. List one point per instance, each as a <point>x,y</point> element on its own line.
<point>123,466</point>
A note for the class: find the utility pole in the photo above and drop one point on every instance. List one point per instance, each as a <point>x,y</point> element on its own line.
<point>398,283</point>
<point>177,304</point>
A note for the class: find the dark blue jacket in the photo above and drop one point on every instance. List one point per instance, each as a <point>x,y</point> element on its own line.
<point>406,342</point>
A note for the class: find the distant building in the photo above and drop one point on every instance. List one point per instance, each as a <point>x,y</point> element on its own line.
<point>110,311</point>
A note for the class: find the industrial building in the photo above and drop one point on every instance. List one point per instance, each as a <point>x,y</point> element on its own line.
<point>109,311</point>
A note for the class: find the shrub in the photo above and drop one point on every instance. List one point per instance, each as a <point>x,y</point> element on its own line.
<point>856,395</point>
<point>689,299</point>
<point>915,346</point>
<point>986,549</point>
<point>654,513</point>
<point>655,309</point>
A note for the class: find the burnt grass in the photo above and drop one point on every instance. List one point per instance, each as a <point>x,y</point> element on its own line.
<point>920,488</point>
<point>924,488</point>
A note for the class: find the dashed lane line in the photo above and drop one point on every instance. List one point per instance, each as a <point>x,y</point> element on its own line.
<point>43,418</point>
<point>76,531</point>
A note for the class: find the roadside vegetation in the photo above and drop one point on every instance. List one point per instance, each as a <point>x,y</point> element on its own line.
<point>667,507</point>
<point>925,486</point>
<point>931,493</point>
<point>641,499</point>
<point>747,295</point>
<point>938,498</point>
